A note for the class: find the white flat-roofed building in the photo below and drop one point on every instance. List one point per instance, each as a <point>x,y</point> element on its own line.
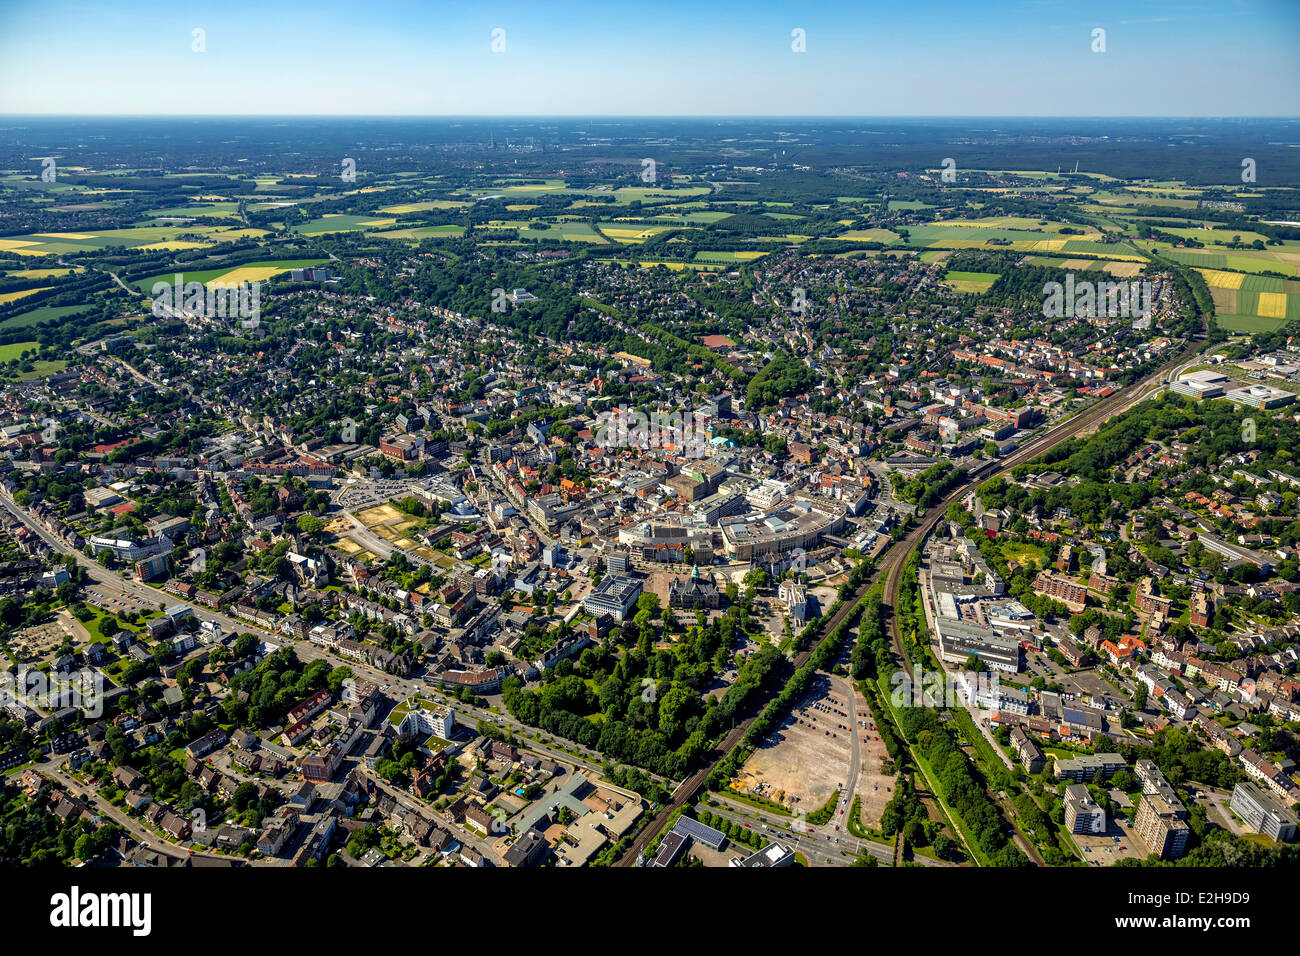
<point>615,595</point>
<point>1260,397</point>
<point>1262,813</point>
<point>959,639</point>
<point>424,718</point>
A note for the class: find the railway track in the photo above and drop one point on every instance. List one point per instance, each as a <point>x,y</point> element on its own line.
<point>897,556</point>
<point>689,788</point>
<point>892,568</point>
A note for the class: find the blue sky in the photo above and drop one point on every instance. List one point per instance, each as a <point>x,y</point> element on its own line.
<point>662,58</point>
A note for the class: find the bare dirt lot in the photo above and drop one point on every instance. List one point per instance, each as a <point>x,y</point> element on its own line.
<point>39,641</point>
<point>801,763</point>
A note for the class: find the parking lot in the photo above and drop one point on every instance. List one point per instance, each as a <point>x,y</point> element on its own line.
<point>803,761</point>
<point>115,602</point>
<point>1087,683</point>
<point>1119,842</point>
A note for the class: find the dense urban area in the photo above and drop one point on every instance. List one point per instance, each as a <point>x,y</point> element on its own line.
<point>623,493</point>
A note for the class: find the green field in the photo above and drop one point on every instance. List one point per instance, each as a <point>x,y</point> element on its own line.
<point>728,258</point>
<point>1238,261</point>
<point>341,223</point>
<point>569,232</point>
<point>15,350</point>
<point>988,236</point>
<point>869,235</point>
<point>702,218</point>
<point>970,281</point>
<point>134,237</point>
<point>223,210</point>
<point>425,205</point>
<point>1248,323</point>
<point>1024,553</point>
<point>419,232</point>
<point>558,187</point>
<point>38,315</point>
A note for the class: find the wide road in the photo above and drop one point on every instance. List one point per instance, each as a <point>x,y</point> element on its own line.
<point>892,567</point>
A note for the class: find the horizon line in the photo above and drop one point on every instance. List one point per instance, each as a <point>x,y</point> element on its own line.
<point>657,116</point>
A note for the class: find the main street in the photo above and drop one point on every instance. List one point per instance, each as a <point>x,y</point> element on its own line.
<point>398,688</point>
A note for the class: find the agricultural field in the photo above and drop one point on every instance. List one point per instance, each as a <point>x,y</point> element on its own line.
<point>565,231</point>
<point>1252,303</point>
<point>215,210</point>
<point>339,222</point>
<point>1285,262</point>
<point>632,233</point>
<point>1213,237</point>
<point>248,272</point>
<point>403,209</point>
<point>36,316</point>
<point>993,234</point>
<point>1134,199</point>
<point>40,273</point>
<point>869,235</point>
<point>729,258</point>
<point>674,266</point>
<point>7,297</point>
<point>1114,268</point>
<point>136,237</point>
<point>1020,223</point>
<point>419,232</point>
